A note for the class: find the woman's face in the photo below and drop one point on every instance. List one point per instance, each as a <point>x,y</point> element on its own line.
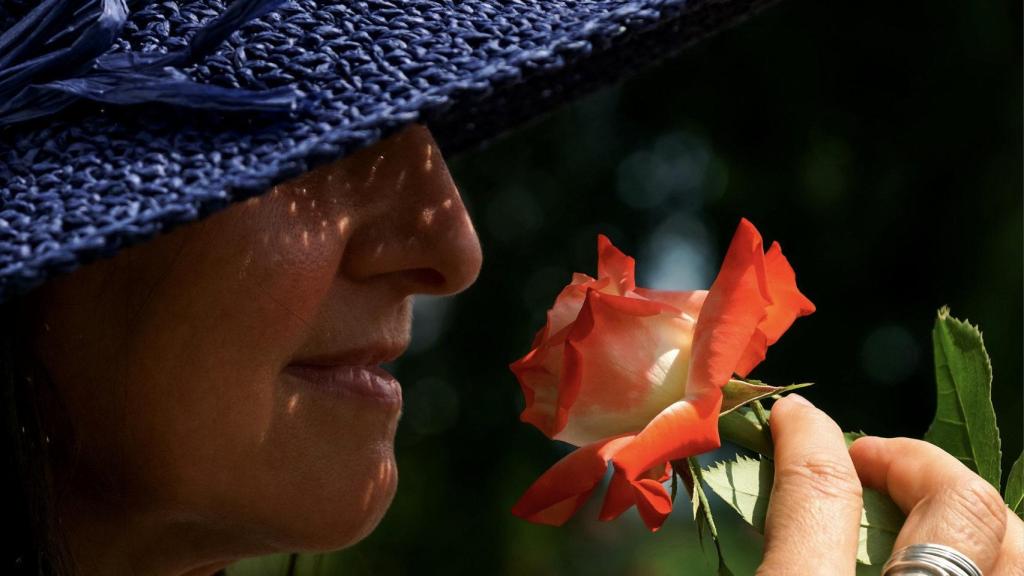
<point>170,358</point>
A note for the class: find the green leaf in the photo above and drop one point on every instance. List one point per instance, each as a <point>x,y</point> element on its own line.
<point>745,484</point>
<point>880,523</point>
<point>737,392</point>
<point>965,422</point>
<point>1014,494</point>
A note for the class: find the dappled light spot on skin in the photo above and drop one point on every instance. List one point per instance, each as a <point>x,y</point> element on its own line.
<point>343,224</point>
<point>373,170</point>
<point>305,238</point>
<point>428,215</point>
<point>292,208</point>
<point>293,403</point>
<point>246,263</point>
<point>428,165</point>
<point>383,480</point>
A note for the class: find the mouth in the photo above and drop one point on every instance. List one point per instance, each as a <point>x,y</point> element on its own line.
<point>353,373</point>
<point>369,382</point>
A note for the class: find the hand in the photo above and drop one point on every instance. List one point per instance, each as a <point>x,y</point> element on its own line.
<point>814,515</point>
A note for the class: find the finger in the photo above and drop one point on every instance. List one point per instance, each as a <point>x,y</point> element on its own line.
<point>945,502</point>
<point>814,512</point>
<point>1011,557</point>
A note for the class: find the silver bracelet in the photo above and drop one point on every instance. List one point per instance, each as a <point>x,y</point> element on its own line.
<point>929,560</point>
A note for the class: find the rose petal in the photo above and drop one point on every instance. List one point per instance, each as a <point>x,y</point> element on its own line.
<point>612,263</point>
<point>558,493</point>
<point>539,370</point>
<point>653,502</point>
<point>622,493</point>
<point>569,301</point>
<point>618,498</point>
<point>683,429</point>
<point>732,311</point>
<point>625,360</point>
<point>688,303</point>
<point>787,304</point>
<point>539,378</point>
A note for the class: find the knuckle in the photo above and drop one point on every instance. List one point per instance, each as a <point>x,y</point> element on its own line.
<point>980,506</point>
<point>823,476</point>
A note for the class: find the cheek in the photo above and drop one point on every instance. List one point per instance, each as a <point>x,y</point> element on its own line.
<point>182,402</point>
<point>216,429</point>
<point>302,470</point>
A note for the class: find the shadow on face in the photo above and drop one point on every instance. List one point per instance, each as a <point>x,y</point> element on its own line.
<point>190,438</point>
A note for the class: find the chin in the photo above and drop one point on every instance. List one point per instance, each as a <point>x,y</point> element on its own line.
<point>352,515</point>
<point>371,521</point>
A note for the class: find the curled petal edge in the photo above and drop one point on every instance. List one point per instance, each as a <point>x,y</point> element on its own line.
<point>558,493</point>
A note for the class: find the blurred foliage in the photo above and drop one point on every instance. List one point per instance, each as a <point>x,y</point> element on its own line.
<point>881,146</point>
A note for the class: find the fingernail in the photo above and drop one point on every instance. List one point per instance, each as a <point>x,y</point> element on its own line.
<point>800,400</point>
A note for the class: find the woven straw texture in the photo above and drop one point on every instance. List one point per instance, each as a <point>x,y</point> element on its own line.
<point>94,178</point>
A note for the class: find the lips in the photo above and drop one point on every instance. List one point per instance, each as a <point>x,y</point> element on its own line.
<point>353,373</point>
<point>366,382</point>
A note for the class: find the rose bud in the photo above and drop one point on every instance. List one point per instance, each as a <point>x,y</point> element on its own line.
<point>634,376</point>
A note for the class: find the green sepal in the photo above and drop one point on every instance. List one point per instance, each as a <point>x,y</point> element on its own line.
<point>738,392</point>
<point>703,516</point>
<point>742,427</point>
<point>849,437</point>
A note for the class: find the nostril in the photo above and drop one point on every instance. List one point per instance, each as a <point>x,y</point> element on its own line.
<point>427,276</point>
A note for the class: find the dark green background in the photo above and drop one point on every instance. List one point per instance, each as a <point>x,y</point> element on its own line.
<point>879,143</point>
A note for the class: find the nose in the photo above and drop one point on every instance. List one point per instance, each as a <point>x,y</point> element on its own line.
<point>413,229</point>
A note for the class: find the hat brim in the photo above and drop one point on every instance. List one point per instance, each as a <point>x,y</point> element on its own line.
<point>97,178</point>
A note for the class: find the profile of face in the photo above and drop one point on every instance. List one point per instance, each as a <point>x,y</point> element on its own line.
<point>193,441</point>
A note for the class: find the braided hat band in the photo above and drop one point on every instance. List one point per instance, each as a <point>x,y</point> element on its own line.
<point>162,112</point>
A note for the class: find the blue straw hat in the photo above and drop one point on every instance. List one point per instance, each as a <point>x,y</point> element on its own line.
<point>120,119</point>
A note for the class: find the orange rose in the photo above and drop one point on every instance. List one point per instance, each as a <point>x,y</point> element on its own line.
<point>634,376</point>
